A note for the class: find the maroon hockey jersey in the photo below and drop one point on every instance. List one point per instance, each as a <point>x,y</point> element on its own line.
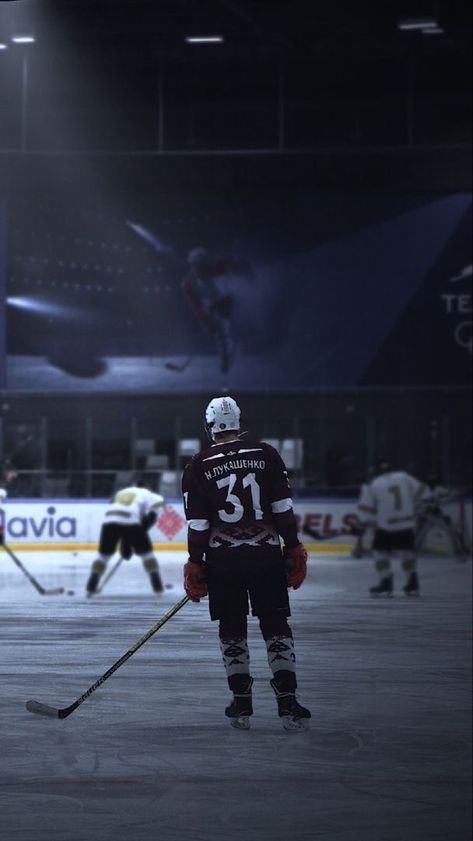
<point>237,499</point>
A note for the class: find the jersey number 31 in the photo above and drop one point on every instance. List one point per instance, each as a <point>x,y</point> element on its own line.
<point>234,502</point>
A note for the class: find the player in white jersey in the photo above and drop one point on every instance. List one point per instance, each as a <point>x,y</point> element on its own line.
<point>130,514</point>
<point>391,501</point>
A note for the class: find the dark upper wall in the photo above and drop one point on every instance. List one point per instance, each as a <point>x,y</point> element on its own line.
<point>424,431</point>
<point>399,169</point>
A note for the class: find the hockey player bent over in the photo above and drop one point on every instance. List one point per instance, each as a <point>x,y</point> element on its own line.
<point>127,519</point>
<point>237,503</point>
<point>391,500</point>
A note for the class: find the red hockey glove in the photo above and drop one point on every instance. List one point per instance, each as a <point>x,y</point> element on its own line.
<point>296,565</point>
<point>194,581</point>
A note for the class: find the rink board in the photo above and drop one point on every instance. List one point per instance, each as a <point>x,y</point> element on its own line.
<point>75,524</point>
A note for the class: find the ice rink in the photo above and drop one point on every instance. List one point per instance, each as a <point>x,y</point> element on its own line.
<point>150,755</point>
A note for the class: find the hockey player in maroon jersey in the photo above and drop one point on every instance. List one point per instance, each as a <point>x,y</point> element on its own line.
<point>237,503</point>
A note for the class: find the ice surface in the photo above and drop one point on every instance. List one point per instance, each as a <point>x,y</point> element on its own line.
<point>150,755</point>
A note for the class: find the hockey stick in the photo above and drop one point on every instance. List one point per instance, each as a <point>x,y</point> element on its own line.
<point>152,240</point>
<point>318,536</point>
<point>55,592</point>
<point>108,577</point>
<point>175,366</point>
<point>52,712</point>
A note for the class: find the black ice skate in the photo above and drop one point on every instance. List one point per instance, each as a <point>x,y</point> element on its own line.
<point>412,586</point>
<point>92,583</point>
<point>156,582</point>
<point>384,588</point>
<point>294,716</point>
<point>240,709</point>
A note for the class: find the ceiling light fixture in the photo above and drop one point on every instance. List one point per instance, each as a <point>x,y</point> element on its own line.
<point>417,23</point>
<point>23,39</point>
<point>433,30</point>
<point>3,47</point>
<point>204,39</point>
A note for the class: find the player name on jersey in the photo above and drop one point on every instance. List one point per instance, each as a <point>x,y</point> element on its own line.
<point>235,464</point>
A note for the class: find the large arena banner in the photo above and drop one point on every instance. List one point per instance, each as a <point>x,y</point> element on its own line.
<point>75,524</point>
<point>189,293</point>
<point>323,524</point>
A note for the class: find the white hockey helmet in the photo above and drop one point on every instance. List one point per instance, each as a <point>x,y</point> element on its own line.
<point>3,494</point>
<point>222,415</point>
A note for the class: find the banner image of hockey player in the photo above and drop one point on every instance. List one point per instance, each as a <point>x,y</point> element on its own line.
<point>212,306</point>
<point>391,502</point>
<point>190,292</point>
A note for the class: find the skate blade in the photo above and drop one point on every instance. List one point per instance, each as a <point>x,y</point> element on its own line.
<point>241,723</point>
<point>381,595</point>
<point>295,724</point>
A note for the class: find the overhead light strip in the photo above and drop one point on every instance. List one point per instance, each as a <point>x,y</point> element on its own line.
<point>418,23</point>
<point>23,39</point>
<point>204,39</point>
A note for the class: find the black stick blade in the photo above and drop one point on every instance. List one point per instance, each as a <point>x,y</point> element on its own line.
<point>57,592</point>
<point>42,709</point>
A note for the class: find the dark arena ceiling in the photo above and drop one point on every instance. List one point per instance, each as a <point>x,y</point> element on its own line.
<point>325,63</point>
<point>304,28</point>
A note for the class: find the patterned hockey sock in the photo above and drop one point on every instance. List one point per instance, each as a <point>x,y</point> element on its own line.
<point>236,659</point>
<point>281,656</point>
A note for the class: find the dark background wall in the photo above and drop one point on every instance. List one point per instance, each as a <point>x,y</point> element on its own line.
<point>426,430</point>
<point>300,99</point>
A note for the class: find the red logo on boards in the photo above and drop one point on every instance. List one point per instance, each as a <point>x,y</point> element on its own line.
<point>170,522</point>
